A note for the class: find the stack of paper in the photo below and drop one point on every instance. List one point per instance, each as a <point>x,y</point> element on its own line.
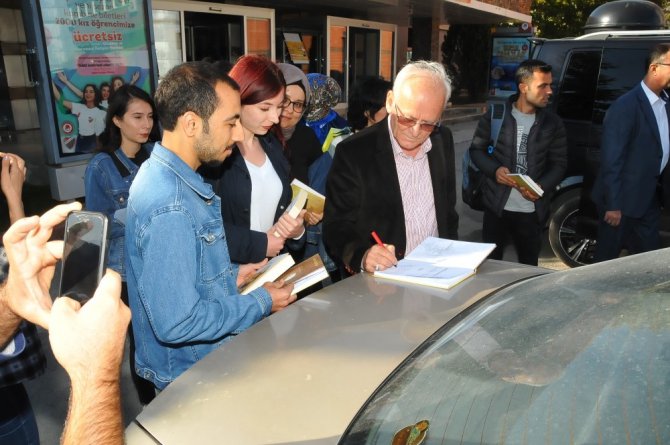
<point>439,263</point>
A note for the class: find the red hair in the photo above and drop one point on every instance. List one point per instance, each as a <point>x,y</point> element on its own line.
<point>258,77</point>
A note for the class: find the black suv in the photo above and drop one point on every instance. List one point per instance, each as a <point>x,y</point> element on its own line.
<point>590,72</point>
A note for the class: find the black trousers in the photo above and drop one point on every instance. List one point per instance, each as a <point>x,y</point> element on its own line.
<point>523,229</point>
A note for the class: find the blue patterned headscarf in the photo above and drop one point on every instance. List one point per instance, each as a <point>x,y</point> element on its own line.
<point>326,93</point>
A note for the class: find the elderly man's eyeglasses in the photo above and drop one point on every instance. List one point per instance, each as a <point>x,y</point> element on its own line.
<point>410,122</point>
<point>298,107</point>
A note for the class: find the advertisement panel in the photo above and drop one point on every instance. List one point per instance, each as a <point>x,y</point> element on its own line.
<point>507,54</point>
<point>92,48</point>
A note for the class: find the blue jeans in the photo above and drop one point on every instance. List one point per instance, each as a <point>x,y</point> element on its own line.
<point>17,420</point>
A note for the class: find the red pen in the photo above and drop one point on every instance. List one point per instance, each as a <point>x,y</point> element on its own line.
<point>379,241</point>
<point>377,238</point>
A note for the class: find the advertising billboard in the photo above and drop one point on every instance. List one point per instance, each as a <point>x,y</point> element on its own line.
<point>507,53</point>
<point>92,48</point>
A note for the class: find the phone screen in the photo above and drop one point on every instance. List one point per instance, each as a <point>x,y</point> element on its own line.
<point>84,249</point>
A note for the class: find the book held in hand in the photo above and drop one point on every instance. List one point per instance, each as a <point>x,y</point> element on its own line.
<point>305,273</point>
<point>526,182</point>
<point>297,204</point>
<point>275,267</point>
<point>439,262</point>
<point>315,200</point>
<point>283,267</point>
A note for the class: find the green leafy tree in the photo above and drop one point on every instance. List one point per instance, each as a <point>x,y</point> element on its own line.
<point>566,18</point>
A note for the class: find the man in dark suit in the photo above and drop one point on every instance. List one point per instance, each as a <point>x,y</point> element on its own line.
<point>396,178</point>
<point>634,153</point>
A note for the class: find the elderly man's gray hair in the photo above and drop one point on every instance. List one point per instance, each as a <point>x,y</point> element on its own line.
<point>422,68</point>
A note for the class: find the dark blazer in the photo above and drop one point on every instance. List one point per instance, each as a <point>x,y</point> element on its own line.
<point>546,158</point>
<point>363,194</point>
<point>630,156</point>
<point>233,185</point>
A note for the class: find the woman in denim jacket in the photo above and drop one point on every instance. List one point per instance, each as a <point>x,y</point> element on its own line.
<point>129,126</point>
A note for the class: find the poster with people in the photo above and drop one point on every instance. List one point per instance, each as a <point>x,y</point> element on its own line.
<point>93,47</point>
<point>507,54</point>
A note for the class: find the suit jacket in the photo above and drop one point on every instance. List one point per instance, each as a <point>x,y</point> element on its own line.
<point>630,156</point>
<point>363,194</point>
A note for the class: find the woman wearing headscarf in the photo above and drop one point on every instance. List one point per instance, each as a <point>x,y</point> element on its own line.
<point>301,146</point>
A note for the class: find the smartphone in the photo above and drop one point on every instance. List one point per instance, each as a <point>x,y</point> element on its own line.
<point>84,253</point>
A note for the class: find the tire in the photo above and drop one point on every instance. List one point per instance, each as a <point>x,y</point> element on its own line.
<point>569,245</point>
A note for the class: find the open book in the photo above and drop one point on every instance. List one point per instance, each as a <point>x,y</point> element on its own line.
<point>275,267</point>
<point>439,262</point>
<point>305,273</point>
<point>315,200</point>
<point>283,267</point>
<point>526,182</point>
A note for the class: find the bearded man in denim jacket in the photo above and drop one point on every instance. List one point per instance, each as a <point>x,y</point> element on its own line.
<point>181,282</point>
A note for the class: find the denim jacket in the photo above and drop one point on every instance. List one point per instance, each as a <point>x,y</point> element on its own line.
<point>107,192</point>
<point>181,282</point>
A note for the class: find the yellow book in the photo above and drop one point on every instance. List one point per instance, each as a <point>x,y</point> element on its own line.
<point>526,182</point>
<point>297,204</point>
<point>305,273</point>
<point>315,200</point>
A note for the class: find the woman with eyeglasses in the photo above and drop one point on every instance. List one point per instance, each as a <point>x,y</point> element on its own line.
<point>301,146</point>
<point>254,181</point>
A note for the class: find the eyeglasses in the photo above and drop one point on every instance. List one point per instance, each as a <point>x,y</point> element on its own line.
<point>410,122</point>
<point>661,63</point>
<point>298,107</point>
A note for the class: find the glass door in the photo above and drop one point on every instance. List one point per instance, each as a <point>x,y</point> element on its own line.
<point>357,49</point>
<point>190,31</point>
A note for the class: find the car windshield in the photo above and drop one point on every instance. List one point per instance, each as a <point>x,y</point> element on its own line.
<point>580,356</point>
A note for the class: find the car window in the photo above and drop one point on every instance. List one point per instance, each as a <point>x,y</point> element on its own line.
<point>580,356</point>
<point>578,89</point>
<point>621,70</point>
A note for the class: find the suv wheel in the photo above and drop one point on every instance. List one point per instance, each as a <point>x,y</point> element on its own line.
<point>570,246</point>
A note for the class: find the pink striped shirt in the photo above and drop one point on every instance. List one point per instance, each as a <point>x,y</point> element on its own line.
<point>416,189</point>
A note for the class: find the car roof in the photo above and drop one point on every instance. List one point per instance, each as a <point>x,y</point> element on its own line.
<point>302,374</point>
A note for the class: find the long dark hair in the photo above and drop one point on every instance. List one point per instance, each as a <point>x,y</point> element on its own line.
<point>98,96</point>
<point>110,139</point>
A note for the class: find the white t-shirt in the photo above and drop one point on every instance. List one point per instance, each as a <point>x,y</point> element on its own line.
<point>516,202</point>
<point>266,190</point>
<point>91,120</point>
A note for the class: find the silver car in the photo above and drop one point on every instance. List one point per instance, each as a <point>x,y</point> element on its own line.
<point>512,355</point>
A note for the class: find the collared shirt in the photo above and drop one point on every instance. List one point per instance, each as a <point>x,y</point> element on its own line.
<point>181,283</point>
<point>661,114</point>
<point>416,189</point>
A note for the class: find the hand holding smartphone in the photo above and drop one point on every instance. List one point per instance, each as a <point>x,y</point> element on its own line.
<point>84,253</point>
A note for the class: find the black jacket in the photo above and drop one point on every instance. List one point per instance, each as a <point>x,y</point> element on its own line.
<point>233,184</point>
<point>546,158</point>
<point>363,194</point>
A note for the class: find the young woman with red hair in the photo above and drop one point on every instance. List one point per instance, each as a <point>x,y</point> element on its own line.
<point>253,182</point>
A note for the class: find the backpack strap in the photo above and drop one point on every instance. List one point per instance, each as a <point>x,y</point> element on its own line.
<point>497,116</point>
